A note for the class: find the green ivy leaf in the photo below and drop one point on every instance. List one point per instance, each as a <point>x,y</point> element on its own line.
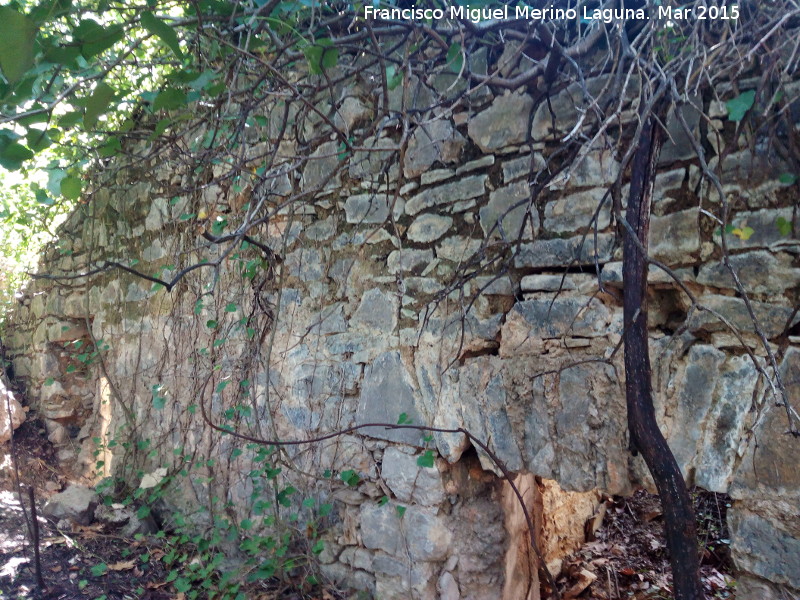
<point>163,31</point>
<point>426,460</point>
<point>318,547</point>
<point>169,99</point>
<point>99,569</point>
<point>230,307</point>
<point>455,57</point>
<point>17,37</point>
<point>97,104</point>
<point>13,154</point>
<point>350,477</point>
<point>401,510</point>
<point>321,55</point>
<point>738,107</point>
<point>787,178</point>
<point>394,77</point>
<point>143,512</point>
<point>94,38</point>
<point>784,225</point>
<point>71,188</point>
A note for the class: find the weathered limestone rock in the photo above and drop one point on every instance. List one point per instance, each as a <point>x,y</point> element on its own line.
<point>771,317</point>
<point>678,145</point>
<point>433,141</point>
<point>409,481</point>
<point>457,248</point>
<point>428,228</point>
<point>350,112</point>
<point>418,531</point>
<point>386,377</point>
<point>763,547</point>
<point>555,318</point>
<point>511,207</point>
<point>766,233</point>
<point>503,123</point>
<point>377,310</point>
<point>575,212</point>
<point>448,587</point>
<point>599,167</point>
<point>760,272</point>
<point>567,107</point>
<point>374,161</point>
<point>9,421</point>
<point>463,189</point>
<point>76,503</point>
<point>522,167</point>
<point>546,283</point>
<point>560,252</point>
<point>675,238</point>
<point>372,208</point>
<point>320,170</point>
<point>408,259</point>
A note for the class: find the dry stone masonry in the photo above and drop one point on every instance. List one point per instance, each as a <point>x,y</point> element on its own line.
<point>432,292</point>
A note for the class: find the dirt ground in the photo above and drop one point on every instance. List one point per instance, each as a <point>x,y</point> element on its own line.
<point>626,559</point>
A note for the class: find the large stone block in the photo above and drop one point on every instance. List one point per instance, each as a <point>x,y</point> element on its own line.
<point>766,232</point>
<point>76,503</point>
<point>771,317</point>
<point>377,159</point>
<point>428,228</point>
<point>574,251</point>
<point>377,311</point>
<point>321,168</point>
<point>512,208</point>
<point>431,142</point>
<point>372,208</point>
<point>419,531</point>
<point>575,212</point>
<point>675,238</point>
<point>386,394</point>
<point>760,272</point>
<point>764,548</point>
<point>554,318</point>
<point>9,421</point>
<point>408,259</point>
<point>770,468</point>
<point>448,193</point>
<point>504,123</point>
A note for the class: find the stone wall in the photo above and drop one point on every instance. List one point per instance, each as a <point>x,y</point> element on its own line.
<point>432,292</point>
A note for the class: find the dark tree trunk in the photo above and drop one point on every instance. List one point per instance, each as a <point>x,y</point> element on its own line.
<point>645,435</point>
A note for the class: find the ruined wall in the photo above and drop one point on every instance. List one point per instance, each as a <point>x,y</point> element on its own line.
<point>399,293</point>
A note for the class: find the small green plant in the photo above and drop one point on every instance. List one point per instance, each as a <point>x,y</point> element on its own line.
<point>280,536</point>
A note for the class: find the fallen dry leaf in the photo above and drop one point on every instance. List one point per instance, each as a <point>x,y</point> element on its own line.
<point>122,565</point>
